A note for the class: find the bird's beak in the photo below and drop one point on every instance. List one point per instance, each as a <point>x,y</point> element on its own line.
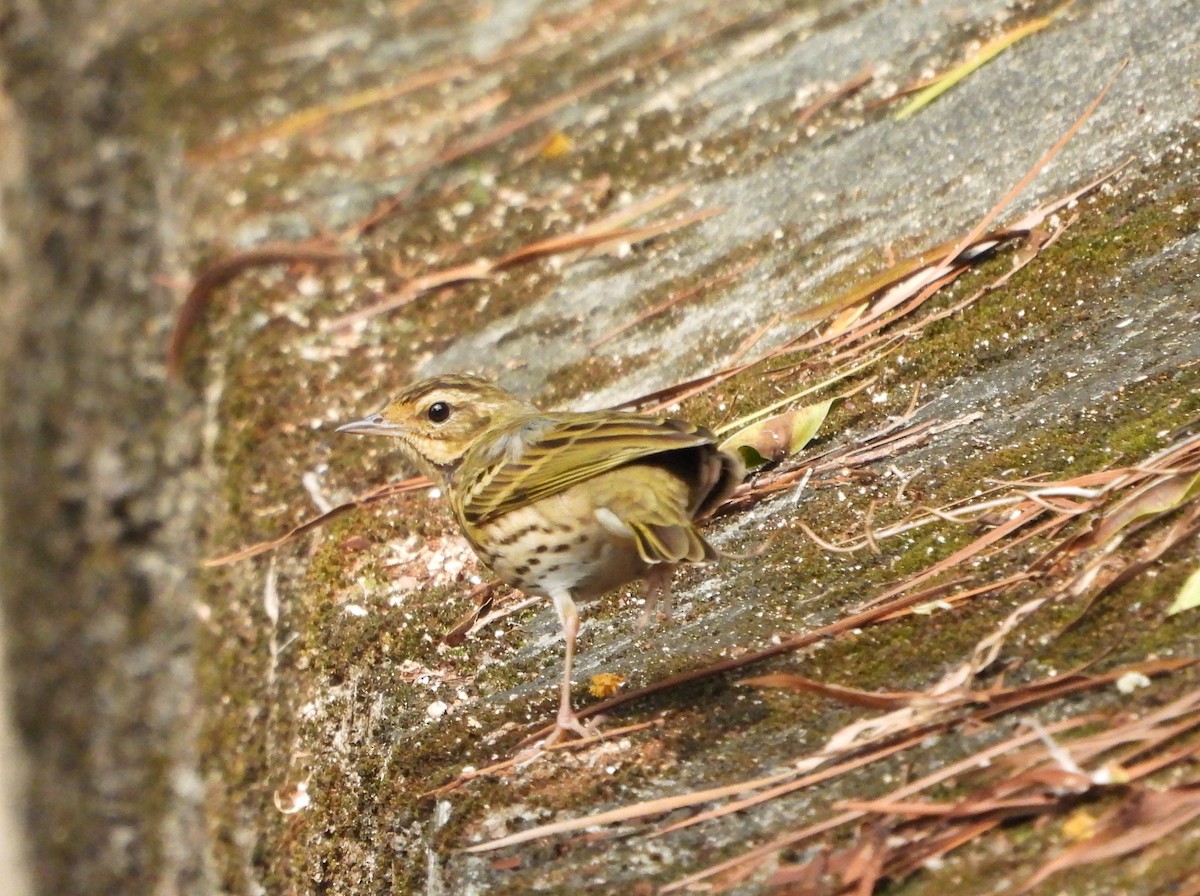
<point>374,425</point>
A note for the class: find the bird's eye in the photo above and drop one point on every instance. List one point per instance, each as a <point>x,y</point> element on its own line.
<point>438,412</point>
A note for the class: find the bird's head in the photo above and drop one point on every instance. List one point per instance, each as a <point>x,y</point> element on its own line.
<point>437,420</point>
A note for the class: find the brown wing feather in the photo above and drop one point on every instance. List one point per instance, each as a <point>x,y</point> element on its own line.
<point>544,456</point>
<point>670,543</point>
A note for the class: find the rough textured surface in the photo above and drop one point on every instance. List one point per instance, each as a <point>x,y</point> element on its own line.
<point>321,682</point>
<point>13,176</point>
<point>97,503</point>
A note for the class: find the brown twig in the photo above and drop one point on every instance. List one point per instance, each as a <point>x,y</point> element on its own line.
<point>223,270</point>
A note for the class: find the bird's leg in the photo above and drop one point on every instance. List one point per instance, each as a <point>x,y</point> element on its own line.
<point>567,722</point>
<point>656,594</point>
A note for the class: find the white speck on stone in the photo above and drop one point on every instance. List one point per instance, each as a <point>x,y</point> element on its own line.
<point>289,802</point>
<point>437,709</point>
<point>1131,681</point>
<point>355,610</point>
<point>930,607</point>
<point>403,584</point>
<point>1110,775</point>
<point>308,286</point>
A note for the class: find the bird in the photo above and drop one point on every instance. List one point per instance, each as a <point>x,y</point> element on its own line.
<point>565,505</point>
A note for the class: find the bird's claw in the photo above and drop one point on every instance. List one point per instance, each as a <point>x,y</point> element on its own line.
<point>569,725</point>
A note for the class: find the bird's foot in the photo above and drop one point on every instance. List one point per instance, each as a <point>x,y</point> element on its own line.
<point>569,725</point>
<point>654,615</point>
<point>656,595</point>
<point>565,730</point>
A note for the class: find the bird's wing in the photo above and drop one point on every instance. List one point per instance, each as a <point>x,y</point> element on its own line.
<point>546,455</point>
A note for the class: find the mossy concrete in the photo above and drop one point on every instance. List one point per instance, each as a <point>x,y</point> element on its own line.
<point>1082,360</point>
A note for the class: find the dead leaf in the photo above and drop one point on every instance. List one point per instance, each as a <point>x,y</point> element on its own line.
<point>853,696</point>
<point>1188,597</point>
<point>315,116</point>
<point>779,436</point>
<point>1080,825</point>
<point>605,684</point>
<point>1146,818</point>
<point>556,146</point>
<point>986,54</point>
<point>1158,497</point>
<point>593,238</point>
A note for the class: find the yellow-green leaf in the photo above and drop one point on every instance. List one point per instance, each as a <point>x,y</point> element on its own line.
<point>1155,499</point>
<point>1188,597</point>
<point>986,54</point>
<point>776,437</point>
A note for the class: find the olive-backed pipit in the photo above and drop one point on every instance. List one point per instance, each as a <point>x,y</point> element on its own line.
<point>559,504</point>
